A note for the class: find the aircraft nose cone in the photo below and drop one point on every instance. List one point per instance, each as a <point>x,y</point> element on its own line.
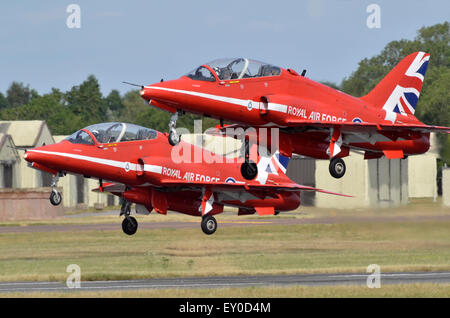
<point>27,156</point>
<point>30,156</point>
<point>145,94</point>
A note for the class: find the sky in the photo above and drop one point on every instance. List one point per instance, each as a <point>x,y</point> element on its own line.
<point>144,41</point>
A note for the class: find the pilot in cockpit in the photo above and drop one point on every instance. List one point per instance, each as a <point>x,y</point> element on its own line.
<point>223,73</point>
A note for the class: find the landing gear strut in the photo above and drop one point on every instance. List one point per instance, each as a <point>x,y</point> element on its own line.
<point>174,138</point>
<point>55,196</point>
<point>209,224</point>
<point>249,169</point>
<point>129,223</point>
<point>337,168</point>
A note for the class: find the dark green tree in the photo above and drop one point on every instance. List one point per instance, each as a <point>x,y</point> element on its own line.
<point>3,101</point>
<point>18,94</point>
<point>86,101</point>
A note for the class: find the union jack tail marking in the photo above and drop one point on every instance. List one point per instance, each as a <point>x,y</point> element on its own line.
<point>399,91</point>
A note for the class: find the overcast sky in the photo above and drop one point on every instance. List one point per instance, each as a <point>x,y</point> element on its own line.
<point>144,41</point>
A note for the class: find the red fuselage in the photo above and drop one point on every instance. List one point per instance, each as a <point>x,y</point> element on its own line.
<point>150,175</point>
<point>303,109</point>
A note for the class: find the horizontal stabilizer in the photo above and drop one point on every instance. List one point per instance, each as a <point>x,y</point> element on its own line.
<point>110,187</point>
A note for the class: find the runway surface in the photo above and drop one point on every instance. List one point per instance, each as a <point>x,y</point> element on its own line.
<point>229,282</point>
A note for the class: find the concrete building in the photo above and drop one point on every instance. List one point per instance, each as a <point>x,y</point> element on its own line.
<point>27,134</point>
<point>9,162</point>
<point>422,172</point>
<point>372,183</point>
<point>446,186</point>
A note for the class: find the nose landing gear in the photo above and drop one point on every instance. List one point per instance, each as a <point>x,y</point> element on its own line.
<point>174,138</point>
<point>55,196</point>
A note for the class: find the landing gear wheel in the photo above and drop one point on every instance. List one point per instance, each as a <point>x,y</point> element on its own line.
<point>174,138</point>
<point>209,224</point>
<point>129,225</point>
<point>337,168</point>
<point>55,198</point>
<point>249,170</point>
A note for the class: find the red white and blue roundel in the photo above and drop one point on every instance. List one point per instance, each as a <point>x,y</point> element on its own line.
<point>404,97</point>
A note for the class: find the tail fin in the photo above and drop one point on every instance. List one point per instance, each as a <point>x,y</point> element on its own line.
<point>275,164</point>
<point>398,92</point>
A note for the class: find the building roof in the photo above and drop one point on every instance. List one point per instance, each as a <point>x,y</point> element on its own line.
<point>59,138</point>
<point>24,132</point>
<point>10,153</point>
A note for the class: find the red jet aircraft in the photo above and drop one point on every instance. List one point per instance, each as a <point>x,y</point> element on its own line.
<point>139,166</point>
<point>314,120</point>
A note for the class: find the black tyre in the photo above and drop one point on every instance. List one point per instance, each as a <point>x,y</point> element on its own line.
<point>209,225</point>
<point>249,170</point>
<point>337,168</point>
<point>174,139</point>
<point>129,225</point>
<point>55,198</point>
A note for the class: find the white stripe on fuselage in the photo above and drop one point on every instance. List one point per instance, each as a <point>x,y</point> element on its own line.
<point>231,100</point>
<point>106,162</point>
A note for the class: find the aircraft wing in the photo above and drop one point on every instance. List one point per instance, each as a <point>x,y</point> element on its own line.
<point>231,186</point>
<point>355,127</point>
<point>345,127</point>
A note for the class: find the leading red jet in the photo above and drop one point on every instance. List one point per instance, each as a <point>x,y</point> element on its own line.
<point>142,168</point>
<point>314,120</point>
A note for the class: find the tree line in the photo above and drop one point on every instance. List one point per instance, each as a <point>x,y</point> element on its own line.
<point>83,105</point>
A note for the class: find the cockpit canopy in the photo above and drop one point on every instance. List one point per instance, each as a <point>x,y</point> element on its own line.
<point>235,68</point>
<point>112,132</point>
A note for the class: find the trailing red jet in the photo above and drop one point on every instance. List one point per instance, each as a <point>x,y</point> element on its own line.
<point>314,120</point>
<point>142,168</point>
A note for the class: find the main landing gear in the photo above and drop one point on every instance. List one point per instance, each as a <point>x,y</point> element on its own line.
<point>129,223</point>
<point>174,138</point>
<point>55,196</point>
<point>337,168</point>
<point>249,169</point>
<point>209,224</point>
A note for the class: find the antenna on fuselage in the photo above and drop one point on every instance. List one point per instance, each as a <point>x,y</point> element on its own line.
<point>132,84</point>
<point>304,73</point>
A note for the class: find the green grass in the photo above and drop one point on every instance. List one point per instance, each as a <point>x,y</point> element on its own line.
<point>397,291</point>
<point>307,248</point>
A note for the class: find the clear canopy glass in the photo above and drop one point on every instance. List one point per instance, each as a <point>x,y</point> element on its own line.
<point>113,132</point>
<point>80,137</point>
<point>234,68</point>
